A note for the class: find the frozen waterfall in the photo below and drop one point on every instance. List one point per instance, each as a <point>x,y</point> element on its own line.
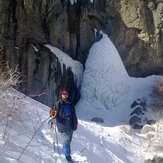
<point>105,80</point>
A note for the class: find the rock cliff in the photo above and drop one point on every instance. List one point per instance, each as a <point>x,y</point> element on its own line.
<point>135,27</point>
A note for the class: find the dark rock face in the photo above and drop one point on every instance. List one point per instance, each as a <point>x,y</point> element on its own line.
<point>135,103</point>
<point>140,112</point>
<point>134,27</point>
<point>137,120</point>
<point>137,111</point>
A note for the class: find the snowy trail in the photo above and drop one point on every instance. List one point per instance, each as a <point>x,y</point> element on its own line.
<point>103,142</point>
<point>58,157</point>
<point>86,144</point>
<point>114,151</point>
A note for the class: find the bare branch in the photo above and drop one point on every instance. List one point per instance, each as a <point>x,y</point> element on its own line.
<point>36,130</point>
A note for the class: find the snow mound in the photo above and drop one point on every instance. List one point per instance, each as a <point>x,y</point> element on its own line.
<point>105,80</point>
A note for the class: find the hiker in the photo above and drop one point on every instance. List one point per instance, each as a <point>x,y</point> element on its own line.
<point>64,113</point>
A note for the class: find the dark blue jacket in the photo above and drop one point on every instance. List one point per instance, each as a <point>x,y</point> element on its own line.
<point>65,112</point>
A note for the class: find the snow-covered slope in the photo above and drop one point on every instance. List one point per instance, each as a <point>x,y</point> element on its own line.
<point>107,92</point>
<point>91,142</point>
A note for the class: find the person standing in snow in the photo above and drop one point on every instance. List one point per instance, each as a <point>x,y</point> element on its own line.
<point>66,120</point>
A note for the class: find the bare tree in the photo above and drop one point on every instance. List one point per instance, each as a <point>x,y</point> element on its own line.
<point>35,129</point>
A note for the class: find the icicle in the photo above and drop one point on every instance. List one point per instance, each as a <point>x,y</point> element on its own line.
<point>95,33</point>
<point>73,1</point>
<point>34,47</point>
<point>103,34</point>
<point>25,2</point>
<point>61,63</point>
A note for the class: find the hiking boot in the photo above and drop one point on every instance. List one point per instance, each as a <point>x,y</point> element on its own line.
<point>68,158</point>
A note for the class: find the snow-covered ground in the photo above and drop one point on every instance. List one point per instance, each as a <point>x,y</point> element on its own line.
<point>107,92</point>
<point>92,142</point>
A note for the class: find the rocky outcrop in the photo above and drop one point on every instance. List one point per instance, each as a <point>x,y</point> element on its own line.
<point>147,128</point>
<point>97,119</point>
<point>156,159</point>
<point>138,35</point>
<point>137,120</point>
<point>142,116</point>
<point>26,25</point>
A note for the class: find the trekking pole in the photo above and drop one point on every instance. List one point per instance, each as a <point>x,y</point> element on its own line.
<point>53,134</point>
<point>56,139</point>
<point>51,122</point>
<point>53,131</point>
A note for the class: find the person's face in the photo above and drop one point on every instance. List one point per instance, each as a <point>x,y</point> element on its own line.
<point>64,96</point>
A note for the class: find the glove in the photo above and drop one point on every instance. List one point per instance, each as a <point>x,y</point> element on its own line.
<point>75,127</point>
<point>53,113</point>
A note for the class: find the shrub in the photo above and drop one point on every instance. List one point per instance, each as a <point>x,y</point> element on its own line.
<point>9,108</point>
